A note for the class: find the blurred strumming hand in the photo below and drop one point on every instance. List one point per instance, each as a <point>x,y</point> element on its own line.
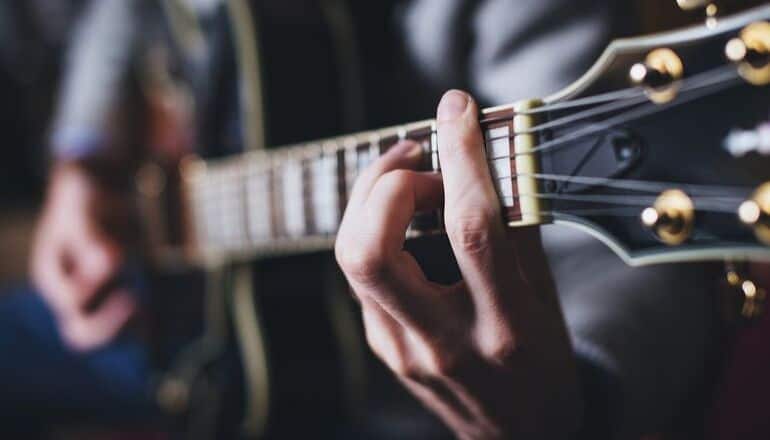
<point>490,355</point>
<point>76,258</point>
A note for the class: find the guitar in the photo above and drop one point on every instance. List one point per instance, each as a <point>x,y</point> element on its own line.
<point>660,151</point>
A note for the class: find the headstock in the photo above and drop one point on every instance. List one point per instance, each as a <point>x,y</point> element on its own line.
<point>662,148</point>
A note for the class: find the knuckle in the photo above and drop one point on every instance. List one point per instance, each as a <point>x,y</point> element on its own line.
<point>471,233</point>
<point>360,263</point>
<point>396,360</point>
<point>442,357</point>
<point>396,180</point>
<point>441,365</point>
<point>503,351</point>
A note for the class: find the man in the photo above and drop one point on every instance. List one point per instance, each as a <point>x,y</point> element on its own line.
<point>495,359</point>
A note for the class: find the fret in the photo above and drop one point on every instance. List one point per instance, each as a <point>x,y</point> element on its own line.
<point>342,179</point>
<point>221,207</point>
<point>498,145</point>
<point>387,138</point>
<point>275,173</point>
<point>363,156</point>
<point>350,162</point>
<point>191,170</point>
<point>292,183</point>
<point>310,155</point>
<point>498,150</point>
<point>235,215</point>
<point>423,133</point>
<point>258,200</point>
<point>435,164</point>
<point>324,190</point>
<point>373,151</point>
<point>211,199</point>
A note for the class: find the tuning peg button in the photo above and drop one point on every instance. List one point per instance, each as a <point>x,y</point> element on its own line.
<point>755,212</point>
<point>671,218</point>
<point>751,51</point>
<point>659,73</point>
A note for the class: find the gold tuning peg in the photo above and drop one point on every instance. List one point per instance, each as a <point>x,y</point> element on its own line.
<point>671,218</point>
<point>751,51</point>
<point>755,212</point>
<point>659,74</point>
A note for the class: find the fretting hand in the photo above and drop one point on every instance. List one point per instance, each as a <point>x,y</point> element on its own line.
<point>490,354</point>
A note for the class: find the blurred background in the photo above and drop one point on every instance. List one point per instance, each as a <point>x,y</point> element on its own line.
<point>34,38</point>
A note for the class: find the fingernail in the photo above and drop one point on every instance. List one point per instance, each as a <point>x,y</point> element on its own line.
<point>452,105</point>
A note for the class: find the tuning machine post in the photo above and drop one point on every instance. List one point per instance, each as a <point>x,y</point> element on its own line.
<point>755,212</point>
<point>671,218</point>
<point>751,52</point>
<point>659,74</point>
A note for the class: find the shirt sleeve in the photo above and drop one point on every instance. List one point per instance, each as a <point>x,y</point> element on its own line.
<point>98,60</point>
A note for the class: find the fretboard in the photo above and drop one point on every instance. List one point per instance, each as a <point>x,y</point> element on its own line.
<point>292,199</point>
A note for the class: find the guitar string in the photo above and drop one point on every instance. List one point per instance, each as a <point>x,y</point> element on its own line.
<point>630,92</point>
<point>630,95</point>
<point>712,192</point>
<point>639,185</point>
<point>705,193</point>
<point>617,120</point>
<point>711,79</point>
<point>623,98</point>
<point>267,236</point>
<point>697,81</point>
<point>701,80</point>
<point>700,203</point>
<point>637,113</point>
